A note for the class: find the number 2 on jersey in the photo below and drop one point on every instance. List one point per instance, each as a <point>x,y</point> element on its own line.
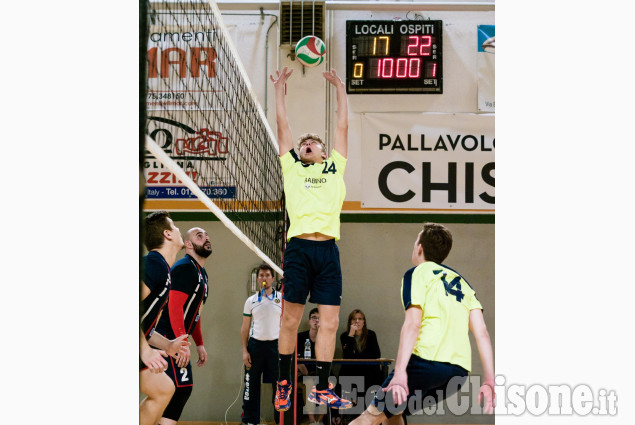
<point>184,377</point>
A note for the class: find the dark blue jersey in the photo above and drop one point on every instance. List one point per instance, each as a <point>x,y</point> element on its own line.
<point>189,278</point>
<point>157,278</point>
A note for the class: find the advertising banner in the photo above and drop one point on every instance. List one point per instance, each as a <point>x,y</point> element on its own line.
<point>428,161</point>
<point>182,69</point>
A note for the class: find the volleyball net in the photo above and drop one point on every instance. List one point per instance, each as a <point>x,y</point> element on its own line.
<point>208,137</point>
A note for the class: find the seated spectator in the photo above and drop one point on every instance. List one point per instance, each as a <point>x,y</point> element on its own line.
<point>359,342</point>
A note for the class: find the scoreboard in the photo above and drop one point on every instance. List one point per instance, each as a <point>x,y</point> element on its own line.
<point>394,57</point>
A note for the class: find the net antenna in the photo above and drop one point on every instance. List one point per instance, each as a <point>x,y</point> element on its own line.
<point>207,128</point>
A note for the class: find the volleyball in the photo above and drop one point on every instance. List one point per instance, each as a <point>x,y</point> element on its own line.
<point>310,51</point>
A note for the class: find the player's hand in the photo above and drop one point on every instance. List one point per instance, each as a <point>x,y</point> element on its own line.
<point>183,357</point>
<point>281,78</point>
<point>399,387</point>
<point>178,347</point>
<point>246,359</point>
<point>351,333</point>
<point>154,360</point>
<point>202,356</point>
<point>487,392</point>
<point>332,77</point>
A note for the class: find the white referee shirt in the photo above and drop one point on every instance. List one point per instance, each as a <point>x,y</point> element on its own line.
<point>265,315</point>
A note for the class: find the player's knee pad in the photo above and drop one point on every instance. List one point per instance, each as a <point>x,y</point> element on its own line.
<point>177,403</point>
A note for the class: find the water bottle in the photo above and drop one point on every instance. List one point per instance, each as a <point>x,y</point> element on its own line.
<point>307,349</point>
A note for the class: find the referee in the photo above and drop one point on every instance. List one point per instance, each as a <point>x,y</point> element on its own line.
<point>259,337</point>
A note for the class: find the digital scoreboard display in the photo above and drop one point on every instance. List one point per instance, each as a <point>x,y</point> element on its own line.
<point>394,57</point>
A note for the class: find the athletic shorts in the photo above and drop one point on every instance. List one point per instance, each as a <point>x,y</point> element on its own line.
<point>425,378</point>
<point>181,376</point>
<point>312,267</point>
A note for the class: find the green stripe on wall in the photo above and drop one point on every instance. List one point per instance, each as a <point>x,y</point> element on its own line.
<point>351,218</point>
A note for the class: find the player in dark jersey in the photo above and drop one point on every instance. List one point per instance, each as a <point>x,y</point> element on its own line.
<point>163,241</point>
<point>181,316</point>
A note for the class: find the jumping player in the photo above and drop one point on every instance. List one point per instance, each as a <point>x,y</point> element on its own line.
<point>181,316</point>
<point>314,189</point>
<point>434,346</point>
<point>163,241</point>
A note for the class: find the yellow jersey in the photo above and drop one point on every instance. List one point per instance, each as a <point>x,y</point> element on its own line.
<point>446,300</point>
<point>314,194</point>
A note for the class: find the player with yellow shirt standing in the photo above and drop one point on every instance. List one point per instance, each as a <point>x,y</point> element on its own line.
<point>314,189</point>
<point>434,345</point>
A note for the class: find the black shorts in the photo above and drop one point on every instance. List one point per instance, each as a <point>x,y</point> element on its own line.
<point>181,376</point>
<point>312,267</point>
<point>183,383</point>
<point>425,378</point>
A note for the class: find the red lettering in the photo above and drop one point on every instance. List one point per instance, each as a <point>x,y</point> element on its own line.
<point>403,63</point>
<point>222,145</point>
<point>423,51</point>
<point>416,72</point>
<point>199,57</point>
<point>415,44</point>
<point>153,71</point>
<point>197,60</point>
<point>168,177</point>
<point>384,73</point>
<point>166,62</point>
<point>165,177</point>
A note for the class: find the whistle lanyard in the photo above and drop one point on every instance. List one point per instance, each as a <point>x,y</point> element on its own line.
<point>269,297</point>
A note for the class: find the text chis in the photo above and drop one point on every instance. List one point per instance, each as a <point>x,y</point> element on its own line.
<point>441,162</point>
<point>442,144</point>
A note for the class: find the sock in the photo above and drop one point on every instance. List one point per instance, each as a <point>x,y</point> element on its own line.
<point>323,371</point>
<point>284,365</point>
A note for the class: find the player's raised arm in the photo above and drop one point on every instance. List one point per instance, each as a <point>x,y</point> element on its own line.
<point>285,139</point>
<point>341,130</point>
<point>484,344</point>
